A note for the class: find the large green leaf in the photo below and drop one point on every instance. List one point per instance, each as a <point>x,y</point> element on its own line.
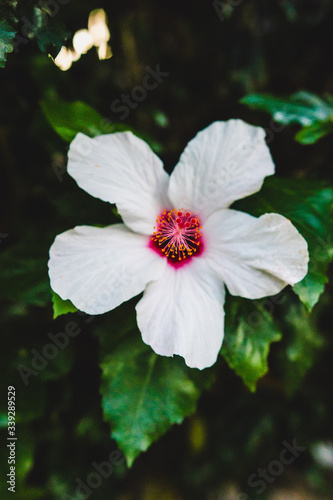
<point>144,394</point>
<point>309,207</point>
<point>305,108</point>
<point>69,118</point>
<point>249,332</point>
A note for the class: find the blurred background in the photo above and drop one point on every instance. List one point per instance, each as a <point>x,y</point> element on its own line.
<point>207,56</point>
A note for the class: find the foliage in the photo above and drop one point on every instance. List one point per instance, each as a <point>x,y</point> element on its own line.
<point>69,118</point>
<point>61,306</point>
<point>50,36</point>
<point>8,22</point>
<point>23,21</point>
<point>302,344</point>
<point>250,330</point>
<point>313,113</point>
<point>144,394</point>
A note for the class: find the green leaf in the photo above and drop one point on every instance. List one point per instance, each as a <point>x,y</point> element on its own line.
<point>7,35</point>
<point>305,108</point>
<point>144,394</point>
<point>304,341</point>
<point>61,306</point>
<point>50,39</point>
<point>312,286</point>
<point>69,118</point>
<point>249,332</point>
<point>49,35</point>
<point>314,132</point>
<point>309,207</point>
<point>8,22</point>
<point>302,344</point>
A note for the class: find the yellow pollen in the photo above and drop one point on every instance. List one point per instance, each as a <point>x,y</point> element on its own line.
<point>177,234</point>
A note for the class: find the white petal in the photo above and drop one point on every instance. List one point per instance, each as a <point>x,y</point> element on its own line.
<point>99,268</point>
<point>122,169</point>
<point>223,163</point>
<point>255,257</point>
<point>182,313</point>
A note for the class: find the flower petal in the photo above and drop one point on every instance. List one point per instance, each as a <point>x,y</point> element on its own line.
<point>122,169</point>
<point>182,313</point>
<point>255,257</point>
<point>99,268</point>
<point>223,163</point>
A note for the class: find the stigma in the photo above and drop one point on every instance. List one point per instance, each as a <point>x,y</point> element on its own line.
<point>177,236</point>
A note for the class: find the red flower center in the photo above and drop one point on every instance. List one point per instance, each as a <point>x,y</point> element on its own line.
<point>177,236</point>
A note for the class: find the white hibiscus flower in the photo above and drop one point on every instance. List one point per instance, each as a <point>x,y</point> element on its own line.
<point>180,242</point>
